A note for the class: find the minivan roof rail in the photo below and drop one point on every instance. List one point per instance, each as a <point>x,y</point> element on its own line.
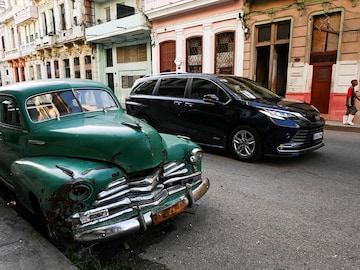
<point>165,73</point>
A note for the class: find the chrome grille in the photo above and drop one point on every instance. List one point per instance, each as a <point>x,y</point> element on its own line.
<point>124,195</point>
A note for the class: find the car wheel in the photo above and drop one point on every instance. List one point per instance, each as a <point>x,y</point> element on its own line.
<point>245,144</point>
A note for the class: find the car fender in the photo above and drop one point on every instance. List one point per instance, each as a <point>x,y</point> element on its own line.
<point>51,179</point>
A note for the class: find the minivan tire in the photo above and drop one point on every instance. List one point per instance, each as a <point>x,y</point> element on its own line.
<point>245,144</point>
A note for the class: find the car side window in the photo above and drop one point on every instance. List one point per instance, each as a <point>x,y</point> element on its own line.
<point>9,112</point>
<point>145,88</point>
<point>172,87</point>
<point>201,87</point>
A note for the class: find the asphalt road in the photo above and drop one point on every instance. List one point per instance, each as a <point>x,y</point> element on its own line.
<point>294,213</point>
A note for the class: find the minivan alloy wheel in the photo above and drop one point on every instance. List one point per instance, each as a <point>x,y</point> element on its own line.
<point>245,144</point>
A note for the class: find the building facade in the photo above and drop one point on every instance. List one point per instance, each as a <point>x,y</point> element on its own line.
<point>305,49</point>
<point>300,49</point>
<point>196,35</point>
<point>121,35</point>
<point>45,39</point>
<point>99,40</point>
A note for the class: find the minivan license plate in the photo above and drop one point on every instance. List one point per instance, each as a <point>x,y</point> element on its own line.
<point>317,135</point>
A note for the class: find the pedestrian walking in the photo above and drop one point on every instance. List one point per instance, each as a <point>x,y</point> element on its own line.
<point>350,104</point>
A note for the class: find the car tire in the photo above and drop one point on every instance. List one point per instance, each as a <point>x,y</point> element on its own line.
<point>245,144</point>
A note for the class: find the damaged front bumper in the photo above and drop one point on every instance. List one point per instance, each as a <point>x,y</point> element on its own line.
<point>143,220</point>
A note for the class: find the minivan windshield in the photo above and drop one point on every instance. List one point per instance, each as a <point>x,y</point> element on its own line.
<point>248,89</point>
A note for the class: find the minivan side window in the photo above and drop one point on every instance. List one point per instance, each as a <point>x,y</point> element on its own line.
<point>201,87</point>
<point>172,87</point>
<point>146,88</point>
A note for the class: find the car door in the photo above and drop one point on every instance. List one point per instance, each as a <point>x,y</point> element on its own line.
<point>12,135</point>
<point>204,115</point>
<point>168,103</point>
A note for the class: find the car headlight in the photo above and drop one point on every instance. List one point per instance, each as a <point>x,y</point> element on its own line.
<point>79,192</point>
<point>281,115</point>
<point>196,156</point>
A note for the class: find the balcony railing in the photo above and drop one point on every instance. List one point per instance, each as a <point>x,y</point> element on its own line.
<point>121,28</point>
<point>29,13</point>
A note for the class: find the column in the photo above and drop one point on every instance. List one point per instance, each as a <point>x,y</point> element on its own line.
<point>208,49</point>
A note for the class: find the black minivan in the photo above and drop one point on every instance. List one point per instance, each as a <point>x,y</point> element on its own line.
<point>229,112</point>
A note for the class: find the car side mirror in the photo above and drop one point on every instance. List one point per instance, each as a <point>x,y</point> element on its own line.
<point>211,98</point>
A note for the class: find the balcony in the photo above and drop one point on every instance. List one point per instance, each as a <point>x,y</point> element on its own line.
<point>28,14</point>
<point>45,42</point>
<point>71,35</point>
<point>27,49</point>
<point>166,8</point>
<point>127,28</point>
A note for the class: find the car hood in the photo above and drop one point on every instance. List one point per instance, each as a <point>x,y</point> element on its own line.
<point>112,137</point>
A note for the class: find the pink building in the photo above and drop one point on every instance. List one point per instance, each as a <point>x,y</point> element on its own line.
<point>203,36</point>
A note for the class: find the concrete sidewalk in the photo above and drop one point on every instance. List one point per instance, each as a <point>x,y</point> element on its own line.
<point>23,248</point>
<point>339,126</point>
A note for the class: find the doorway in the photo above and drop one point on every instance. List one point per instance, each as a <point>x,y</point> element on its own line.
<point>167,56</point>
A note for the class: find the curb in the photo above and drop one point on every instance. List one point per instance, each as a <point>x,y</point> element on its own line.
<point>339,126</point>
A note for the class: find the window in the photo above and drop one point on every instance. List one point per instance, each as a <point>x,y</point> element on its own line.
<point>48,70</point>
<point>52,29</point>
<point>107,14</point>
<point>77,67</point>
<point>109,58</point>
<point>60,103</point>
<point>194,55</point>
<point>272,54</point>
<point>62,17</point>
<point>56,67</point>
<point>225,52</point>
<point>124,11</point>
<point>146,88</point>
<point>128,81</point>
<point>9,112</point>
<point>128,54</point>
<point>88,72</point>
<point>326,30</point>
<point>110,80</point>
<point>67,68</point>
<point>172,87</point>
<point>201,87</point>
<point>38,71</point>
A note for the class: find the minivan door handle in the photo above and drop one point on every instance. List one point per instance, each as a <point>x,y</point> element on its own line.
<point>189,104</point>
<point>178,103</point>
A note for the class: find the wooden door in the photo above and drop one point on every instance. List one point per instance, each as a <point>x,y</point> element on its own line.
<point>167,56</point>
<point>321,83</point>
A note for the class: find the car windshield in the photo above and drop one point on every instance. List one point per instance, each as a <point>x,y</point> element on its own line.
<point>52,105</point>
<point>248,89</point>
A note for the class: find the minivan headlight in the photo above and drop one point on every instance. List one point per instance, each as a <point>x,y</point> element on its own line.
<point>281,115</point>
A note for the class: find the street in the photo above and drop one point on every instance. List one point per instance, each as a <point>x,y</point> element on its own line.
<point>293,213</point>
<point>299,213</point>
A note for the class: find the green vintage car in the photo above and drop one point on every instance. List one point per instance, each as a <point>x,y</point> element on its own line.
<point>75,159</point>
